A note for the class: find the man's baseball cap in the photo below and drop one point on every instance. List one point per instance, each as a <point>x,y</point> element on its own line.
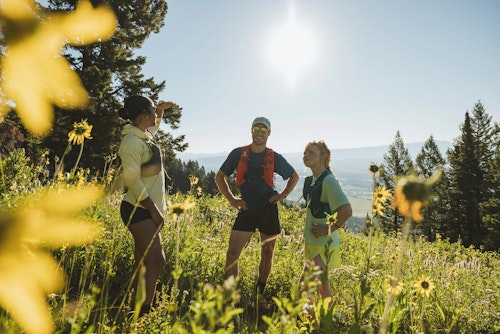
<point>262,120</point>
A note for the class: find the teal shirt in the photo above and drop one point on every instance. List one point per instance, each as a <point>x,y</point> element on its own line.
<point>331,193</point>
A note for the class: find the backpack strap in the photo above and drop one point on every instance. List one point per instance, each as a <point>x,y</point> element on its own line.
<point>242,167</point>
<point>269,167</point>
<point>312,196</point>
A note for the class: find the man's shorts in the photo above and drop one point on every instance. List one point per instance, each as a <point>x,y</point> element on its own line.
<point>265,219</point>
<point>139,214</point>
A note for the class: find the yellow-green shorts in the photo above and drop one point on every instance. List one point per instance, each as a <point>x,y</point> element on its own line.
<point>311,251</point>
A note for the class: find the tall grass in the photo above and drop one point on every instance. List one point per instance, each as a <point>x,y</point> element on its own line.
<point>194,298</point>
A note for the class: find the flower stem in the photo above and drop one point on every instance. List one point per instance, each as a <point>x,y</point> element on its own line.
<point>397,273</point>
<point>78,160</point>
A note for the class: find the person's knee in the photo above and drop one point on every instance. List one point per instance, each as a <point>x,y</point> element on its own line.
<point>232,254</point>
<point>267,250</point>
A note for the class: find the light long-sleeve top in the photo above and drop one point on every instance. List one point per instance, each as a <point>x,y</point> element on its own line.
<point>143,174</point>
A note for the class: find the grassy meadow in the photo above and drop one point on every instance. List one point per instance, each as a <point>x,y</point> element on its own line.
<point>443,287</point>
<point>66,258</point>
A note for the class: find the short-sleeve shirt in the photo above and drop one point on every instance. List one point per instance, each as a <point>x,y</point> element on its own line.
<point>331,193</point>
<point>255,192</point>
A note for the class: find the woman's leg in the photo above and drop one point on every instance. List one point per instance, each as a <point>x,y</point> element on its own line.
<point>148,251</point>
<point>324,286</point>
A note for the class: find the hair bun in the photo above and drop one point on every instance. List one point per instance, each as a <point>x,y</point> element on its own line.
<point>123,113</point>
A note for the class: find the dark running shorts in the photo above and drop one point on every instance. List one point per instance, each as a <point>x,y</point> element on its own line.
<point>265,219</point>
<point>140,214</point>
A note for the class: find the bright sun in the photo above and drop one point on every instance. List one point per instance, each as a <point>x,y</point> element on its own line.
<point>291,49</point>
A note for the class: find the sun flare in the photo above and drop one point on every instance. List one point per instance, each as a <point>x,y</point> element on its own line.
<point>291,49</point>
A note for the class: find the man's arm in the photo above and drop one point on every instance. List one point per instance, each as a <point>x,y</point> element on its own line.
<point>290,185</point>
<point>220,180</point>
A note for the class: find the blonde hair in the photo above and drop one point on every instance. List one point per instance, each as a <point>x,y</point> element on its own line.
<point>324,152</point>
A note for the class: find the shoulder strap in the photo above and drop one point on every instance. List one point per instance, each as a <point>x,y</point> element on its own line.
<point>312,196</point>
<point>242,167</point>
<point>269,167</point>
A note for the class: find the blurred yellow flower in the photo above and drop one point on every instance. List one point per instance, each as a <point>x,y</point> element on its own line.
<point>406,207</point>
<point>412,193</point>
<point>44,220</point>
<point>393,285</point>
<point>80,131</point>
<point>424,286</point>
<point>179,208</point>
<point>35,76</point>
<point>17,9</point>
<point>199,191</point>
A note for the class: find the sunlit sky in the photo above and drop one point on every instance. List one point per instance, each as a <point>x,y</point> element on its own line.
<point>351,73</point>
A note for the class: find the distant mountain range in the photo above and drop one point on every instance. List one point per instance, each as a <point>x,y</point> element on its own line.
<point>350,166</point>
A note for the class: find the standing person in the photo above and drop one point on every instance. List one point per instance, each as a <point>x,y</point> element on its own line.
<point>143,205</point>
<point>324,197</point>
<point>255,166</point>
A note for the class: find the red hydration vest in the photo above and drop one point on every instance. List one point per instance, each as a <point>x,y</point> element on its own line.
<point>242,168</point>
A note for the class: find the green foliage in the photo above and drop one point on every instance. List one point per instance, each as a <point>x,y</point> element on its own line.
<point>193,296</point>
<point>179,174</point>
<point>110,71</point>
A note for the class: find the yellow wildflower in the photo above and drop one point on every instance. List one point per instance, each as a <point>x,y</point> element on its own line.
<point>382,195</point>
<point>193,180</point>
<point>424,286</point>
<point>28,273</point>
<point>331,219</point>
<point>179,208</point>
<point>406,207</point>
<point>412,193</point>
<point>377,209</point>
<point>199,191</point>
<point>80,131</point>
<point>393,285</point>
<point>35,76</point>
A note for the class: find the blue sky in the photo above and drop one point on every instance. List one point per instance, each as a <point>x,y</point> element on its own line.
<point>352,73</point>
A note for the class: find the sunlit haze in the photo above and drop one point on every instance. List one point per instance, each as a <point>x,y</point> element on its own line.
<point>352,73</point>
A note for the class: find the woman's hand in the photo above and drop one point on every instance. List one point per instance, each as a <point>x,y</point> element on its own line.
<point>162,106</point>
<point>165,105</point>
<point>319,230</point>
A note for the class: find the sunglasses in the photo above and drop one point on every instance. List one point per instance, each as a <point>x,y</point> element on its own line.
<point>257,129</point>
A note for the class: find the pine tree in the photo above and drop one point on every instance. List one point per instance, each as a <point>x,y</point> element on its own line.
<point>465,187</point>
<point>428,161</point>
<point>397,163</point>
<point>490,209</point>
<point>110,71</point>
<point>485,134</point>
<point>474,189</point>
